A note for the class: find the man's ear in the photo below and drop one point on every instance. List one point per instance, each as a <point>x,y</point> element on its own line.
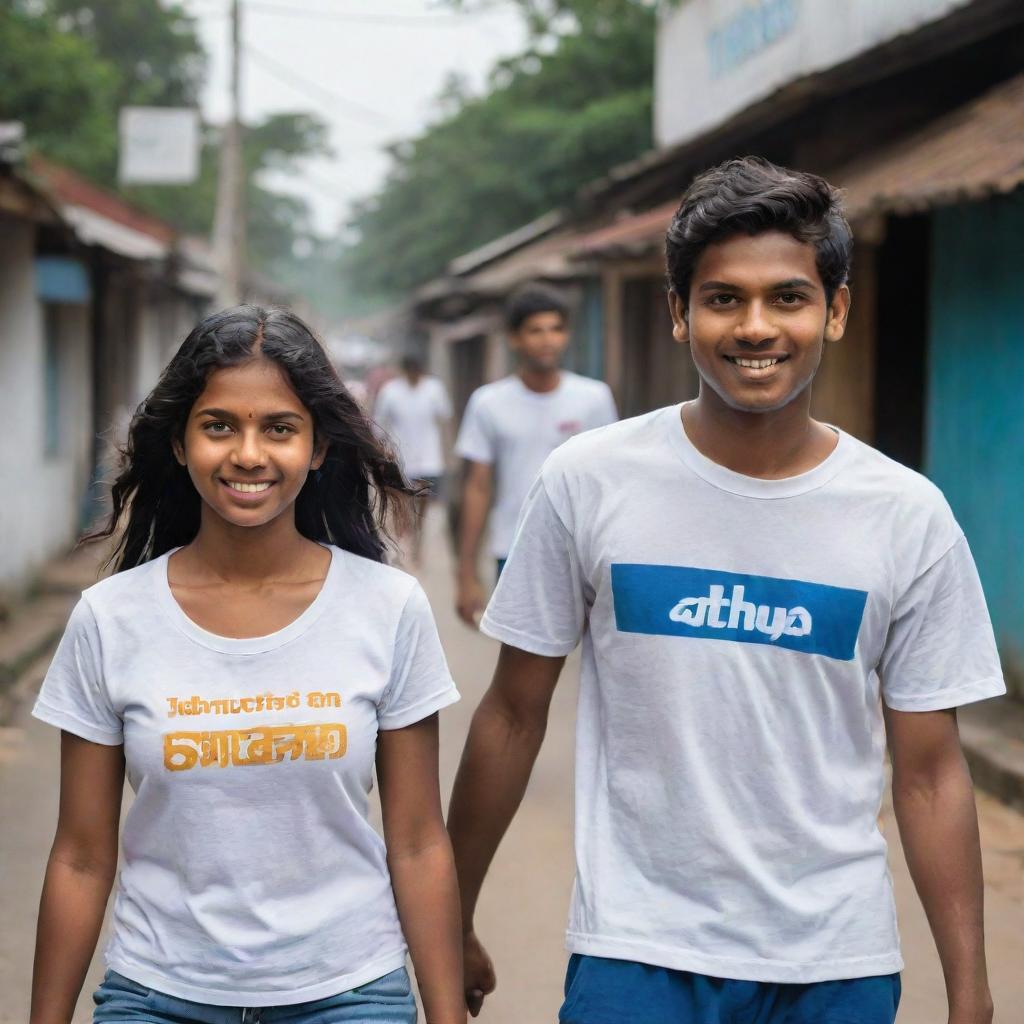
<point>680,318</point>
<point>179,452</point>
<point>838,313</point>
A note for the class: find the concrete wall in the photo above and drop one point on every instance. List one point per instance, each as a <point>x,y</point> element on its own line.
<point>42,494</point>
<point>975,413</point>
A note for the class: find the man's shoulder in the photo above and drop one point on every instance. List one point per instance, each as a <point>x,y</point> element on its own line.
<point>613,448</point>
<point>590,386</point>
<point>883,476</point>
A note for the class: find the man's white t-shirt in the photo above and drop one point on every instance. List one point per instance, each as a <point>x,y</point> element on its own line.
<point>250,873</point>
<point>516,429</point>
<point>412,417</point>
<point>738,637</point>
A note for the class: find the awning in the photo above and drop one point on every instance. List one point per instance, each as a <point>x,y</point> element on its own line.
<point>635,233</point>
<point>975,151</point>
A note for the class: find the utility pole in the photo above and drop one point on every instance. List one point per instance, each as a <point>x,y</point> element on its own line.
<point>229,222</point>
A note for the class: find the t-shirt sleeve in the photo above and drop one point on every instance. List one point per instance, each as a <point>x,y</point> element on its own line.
<point>74,694</point>
<point>475,441</point>
<point>420,682</point>
<point>606,411</point>
<point>444,405</point>
<point>941,651</point>
<point>539,604</point>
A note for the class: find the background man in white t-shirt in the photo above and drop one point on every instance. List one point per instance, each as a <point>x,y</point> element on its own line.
<point>512,425</point>
<point>414,410</point>
<point>763,601</point>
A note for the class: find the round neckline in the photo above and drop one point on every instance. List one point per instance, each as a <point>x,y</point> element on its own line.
<point>752,486</point>
<point>542,396</point>
<point>242,645</point>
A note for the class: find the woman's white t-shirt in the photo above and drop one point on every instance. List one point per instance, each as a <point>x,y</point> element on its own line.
<point>250,873</point>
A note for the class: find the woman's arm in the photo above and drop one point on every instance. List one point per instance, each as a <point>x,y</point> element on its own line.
<point>79,875</point>
<point>934,803</point>
<point>422,867</point>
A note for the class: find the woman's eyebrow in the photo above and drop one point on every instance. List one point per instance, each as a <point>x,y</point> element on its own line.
<point>224,414</point>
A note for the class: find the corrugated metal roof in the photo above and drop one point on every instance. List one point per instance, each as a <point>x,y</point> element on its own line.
<point>973,152</point>
<point>639,231</point>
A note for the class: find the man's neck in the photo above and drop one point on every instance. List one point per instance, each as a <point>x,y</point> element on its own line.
<point>540,380</point>
<point>769,445</point>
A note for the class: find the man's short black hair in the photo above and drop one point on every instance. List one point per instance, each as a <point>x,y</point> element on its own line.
<point>411,363</point>
<point>532,299</point>
<point>749,196</point>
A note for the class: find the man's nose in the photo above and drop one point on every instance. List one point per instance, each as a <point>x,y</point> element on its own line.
<point>756,325</point>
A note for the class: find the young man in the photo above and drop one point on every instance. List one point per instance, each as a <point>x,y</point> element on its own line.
<point>414,410</point>
<point>762,601</point>
<point>513,425</point>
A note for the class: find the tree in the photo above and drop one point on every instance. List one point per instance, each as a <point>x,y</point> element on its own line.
<point>555,117</point>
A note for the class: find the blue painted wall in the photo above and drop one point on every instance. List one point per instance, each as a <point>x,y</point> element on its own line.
<point>974,440</point>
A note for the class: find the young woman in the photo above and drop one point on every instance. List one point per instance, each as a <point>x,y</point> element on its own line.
<point>246,665</point>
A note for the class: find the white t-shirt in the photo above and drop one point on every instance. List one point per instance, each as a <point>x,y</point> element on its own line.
<point>516,429</point>
<point>250,873</point>
<point>737,636</point>
<point>412,417</point>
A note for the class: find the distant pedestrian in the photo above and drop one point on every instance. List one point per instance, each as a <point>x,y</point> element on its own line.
<point>512,425</point>
<point>762,601</point>
<point>248,664</point>
<point>414,410</point>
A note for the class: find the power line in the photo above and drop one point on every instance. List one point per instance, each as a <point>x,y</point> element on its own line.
<point>356,111</point>
<point>394,20</point>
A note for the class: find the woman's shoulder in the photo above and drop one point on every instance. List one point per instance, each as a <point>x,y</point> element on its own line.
<point>375,579</point>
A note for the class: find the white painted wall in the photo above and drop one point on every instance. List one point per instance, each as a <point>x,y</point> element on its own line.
<point>39,495</point>
<point>716,57</point>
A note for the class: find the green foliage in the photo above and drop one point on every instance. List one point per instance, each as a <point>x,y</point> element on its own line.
<point>56,84</point>
<point>68,66</point>
<point>554,118</point>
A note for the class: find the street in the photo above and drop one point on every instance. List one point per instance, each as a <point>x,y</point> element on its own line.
<point>523,907</point>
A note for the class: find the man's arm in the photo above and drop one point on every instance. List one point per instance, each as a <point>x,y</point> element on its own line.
<point>934,803</point>
<point>476,503</point>
<point>504,739</point>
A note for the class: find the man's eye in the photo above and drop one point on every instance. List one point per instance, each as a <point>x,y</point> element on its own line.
<point>790,298</point>
<point>723,299</point>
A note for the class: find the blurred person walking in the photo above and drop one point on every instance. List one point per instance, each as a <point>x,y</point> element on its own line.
<point>248,664</point>
<point>763,603</point>
<point>414,410</point>
<point>512,425</point>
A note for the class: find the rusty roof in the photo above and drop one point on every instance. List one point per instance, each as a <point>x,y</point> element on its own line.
<point>975,151</point>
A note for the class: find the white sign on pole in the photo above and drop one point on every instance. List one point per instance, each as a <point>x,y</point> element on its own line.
<point>159,146</point>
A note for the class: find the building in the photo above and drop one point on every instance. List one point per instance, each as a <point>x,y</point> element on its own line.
<point>916,109</point>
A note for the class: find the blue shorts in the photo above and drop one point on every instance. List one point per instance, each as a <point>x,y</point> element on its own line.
<point>600,991</point>
<point>388,1000</point>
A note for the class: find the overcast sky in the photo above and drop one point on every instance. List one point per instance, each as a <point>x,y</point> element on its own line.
<point>370,68</point>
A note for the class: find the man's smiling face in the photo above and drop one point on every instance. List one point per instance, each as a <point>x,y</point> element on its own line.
<point>757,318</point>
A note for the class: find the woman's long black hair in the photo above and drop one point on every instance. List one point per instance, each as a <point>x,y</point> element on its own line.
<point>347,503</point>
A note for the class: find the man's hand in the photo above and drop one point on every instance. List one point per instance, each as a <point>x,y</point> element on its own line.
<point>478,973</point>
<point>975,1010</point>
<point>469,601</point>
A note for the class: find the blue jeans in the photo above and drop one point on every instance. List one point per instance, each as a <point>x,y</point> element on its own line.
<point>388,1000</point>
<point>600,991</point>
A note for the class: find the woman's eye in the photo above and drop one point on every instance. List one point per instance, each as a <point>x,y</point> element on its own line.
<point>216,428</point>
<point>281,430</point>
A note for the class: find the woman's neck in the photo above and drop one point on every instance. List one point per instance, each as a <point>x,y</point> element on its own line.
<point>251,554</point>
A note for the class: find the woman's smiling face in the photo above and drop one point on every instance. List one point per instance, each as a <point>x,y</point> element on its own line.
<point>249,443</point>
<point>757,319</point>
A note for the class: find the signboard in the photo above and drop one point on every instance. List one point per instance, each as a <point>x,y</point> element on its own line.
<point>716,57</point>
<point>159,146</point>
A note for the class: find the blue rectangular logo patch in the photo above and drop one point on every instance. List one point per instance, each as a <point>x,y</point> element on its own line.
<point>708,604</point>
